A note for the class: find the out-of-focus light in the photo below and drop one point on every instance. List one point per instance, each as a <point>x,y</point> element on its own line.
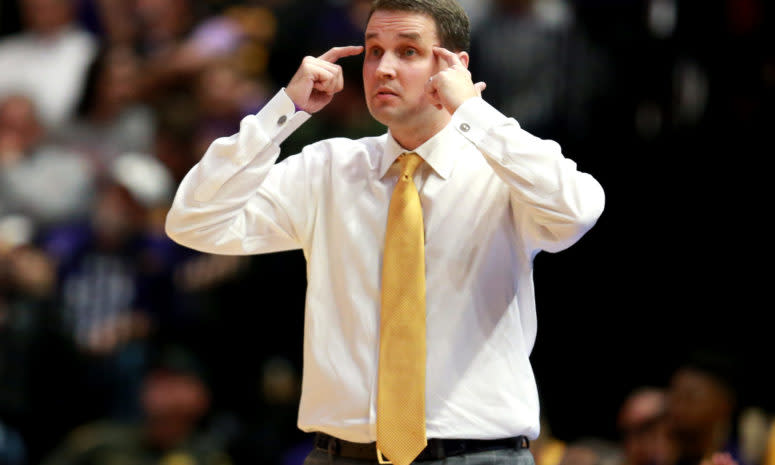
<point>662,17</point>
<point>554,12</point>
<point>144,176</point>
<point>15,230</point>
<point>692,86</point>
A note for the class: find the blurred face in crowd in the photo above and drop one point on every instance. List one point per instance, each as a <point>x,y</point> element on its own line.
<point>47,16</point>
<point>20,129</point>
<point>117,215</point>
<point>173,404</point>
<point>399,61</point>
<point>117,83</point>
<point>163,19</point>
<point>697,402</point>
<point>219,89</point>
<point>644,430</point>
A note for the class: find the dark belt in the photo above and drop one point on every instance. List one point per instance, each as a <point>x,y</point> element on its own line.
<point>437,449</point>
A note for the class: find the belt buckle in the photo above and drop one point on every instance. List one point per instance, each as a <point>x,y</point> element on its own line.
<point>381,458</point>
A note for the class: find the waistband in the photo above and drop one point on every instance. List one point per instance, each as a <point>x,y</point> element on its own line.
<point>437,449</point>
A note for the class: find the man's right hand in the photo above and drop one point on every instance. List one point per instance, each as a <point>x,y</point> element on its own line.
<point>318,79</point>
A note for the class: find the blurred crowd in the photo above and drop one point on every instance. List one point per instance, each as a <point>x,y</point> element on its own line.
<point>119,346</point>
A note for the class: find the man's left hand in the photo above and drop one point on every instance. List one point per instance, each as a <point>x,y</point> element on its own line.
<point>453,84</point>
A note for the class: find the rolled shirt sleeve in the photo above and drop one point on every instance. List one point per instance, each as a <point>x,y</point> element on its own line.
<point>553,203</point>
<point>211,207</point>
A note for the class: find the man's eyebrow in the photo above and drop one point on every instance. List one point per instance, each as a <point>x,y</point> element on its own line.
<point>410,35</point>
<point>414,36</point>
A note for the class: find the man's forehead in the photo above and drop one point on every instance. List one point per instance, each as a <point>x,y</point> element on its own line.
<point>407,25</point>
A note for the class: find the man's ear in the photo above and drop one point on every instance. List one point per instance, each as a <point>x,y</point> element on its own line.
<point>463,58</point>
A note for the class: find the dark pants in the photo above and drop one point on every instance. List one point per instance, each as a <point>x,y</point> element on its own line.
<point>491,457</point>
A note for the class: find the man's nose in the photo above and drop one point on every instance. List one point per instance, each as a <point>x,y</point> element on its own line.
<point>386,67</point>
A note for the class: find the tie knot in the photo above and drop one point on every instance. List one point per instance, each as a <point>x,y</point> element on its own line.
<point>409,162</point>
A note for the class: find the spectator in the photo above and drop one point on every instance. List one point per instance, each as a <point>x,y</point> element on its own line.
<point>592,451</point>
<point>26,280</point>
<point>31,353</point>
<point>175,402</point>
<point>111,120</point>
<point>40,180</point>
<point>642,424</point>
<point>176,48</point>
<point>701,409</point>
<point>48,59</point>
<point>223,93</point>
<point>109,269</point>
<point>538,65</point>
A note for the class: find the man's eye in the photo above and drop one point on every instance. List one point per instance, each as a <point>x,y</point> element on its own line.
<point>375,52</point>
<point>410,52</point>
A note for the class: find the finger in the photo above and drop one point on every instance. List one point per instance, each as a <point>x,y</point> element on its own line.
<point>336,77</point>
<point>327,85</point>
<point>317,63</point>
<point>339,81</point>
<point>430,88</point>
<point>449,57</point>
<point>320,72</point>
<point>336,53</point>
<point>480,86</point>
<point>433,93</point>
<point>330,85</point>
<point>322,78</point>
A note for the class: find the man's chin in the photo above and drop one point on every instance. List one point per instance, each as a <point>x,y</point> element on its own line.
<point>386,116</point>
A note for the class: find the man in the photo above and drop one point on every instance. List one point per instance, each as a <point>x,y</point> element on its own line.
<point>492,196</point>
<point>175,399</point>
<point>51,44</point>
<point>41,180</point>
<point>642,424</point>
<point>702,409</point>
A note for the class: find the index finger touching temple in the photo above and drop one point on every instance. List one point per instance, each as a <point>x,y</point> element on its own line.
<point>450,57</point>
<point>340,52</point>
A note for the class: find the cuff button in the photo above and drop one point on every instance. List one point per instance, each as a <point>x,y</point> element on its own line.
<point>465,127</point>
<point>282,120</point>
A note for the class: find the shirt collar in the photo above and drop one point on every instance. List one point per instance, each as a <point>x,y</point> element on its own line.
<point>440,152</point>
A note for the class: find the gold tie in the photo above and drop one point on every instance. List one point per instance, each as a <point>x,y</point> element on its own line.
<point>401,388</point>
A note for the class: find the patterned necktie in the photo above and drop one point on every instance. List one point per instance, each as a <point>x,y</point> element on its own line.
<point>401,394</point>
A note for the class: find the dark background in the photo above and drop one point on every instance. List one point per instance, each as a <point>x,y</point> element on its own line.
<point>679,260</point>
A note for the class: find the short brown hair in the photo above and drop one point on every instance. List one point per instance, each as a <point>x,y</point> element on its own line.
<point>452,23</point>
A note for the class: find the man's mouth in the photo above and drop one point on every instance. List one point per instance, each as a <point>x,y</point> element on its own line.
<point>383,91</point>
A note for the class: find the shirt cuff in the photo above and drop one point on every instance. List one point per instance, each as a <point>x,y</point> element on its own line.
<point>475,117</point>
<point>282,116</point>
<point>276,120</point>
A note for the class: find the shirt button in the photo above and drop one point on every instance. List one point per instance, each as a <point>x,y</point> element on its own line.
<point>465,127</point>
<point>282,120</point>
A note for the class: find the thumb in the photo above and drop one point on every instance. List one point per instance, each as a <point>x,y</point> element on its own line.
<point>433,93</point>
<point>480,86</point>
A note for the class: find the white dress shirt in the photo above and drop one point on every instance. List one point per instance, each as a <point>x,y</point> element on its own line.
<point>50,70</point>
<point>492,195</point>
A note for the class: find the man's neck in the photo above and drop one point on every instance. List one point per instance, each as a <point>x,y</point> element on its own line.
<point>412,136</point>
